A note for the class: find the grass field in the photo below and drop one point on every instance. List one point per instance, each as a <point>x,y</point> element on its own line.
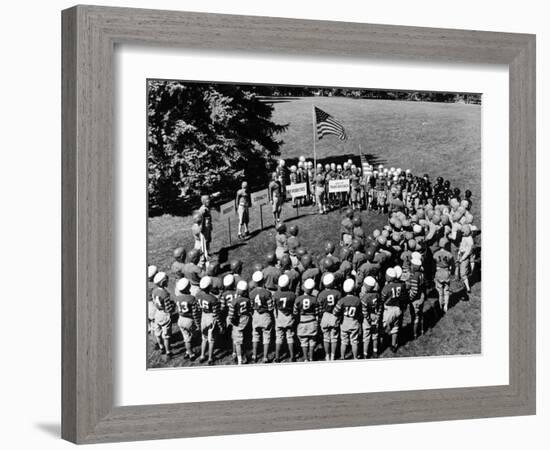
<point>439,139</point>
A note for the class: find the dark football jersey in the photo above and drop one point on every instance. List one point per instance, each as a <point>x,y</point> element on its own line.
<point>239,306</point>
<point>216,286</point>
<point>177,269</point>
<point>328,298</point>
<point>349,306</point>
<point>225,300</point>
<point>208,303</point>
<point>294,279</point>
<point>162,300</point>
<point>284,301</point>
<point>358,259</point>
<point>443,259</point>
<point>261,300</point>
<point>393,294</point>
<point>306,305</point>
<point>346,226</point>
<point>313,272</point>
<point>192,273</point>
<point>416,285</point>
<point>186,305</point>
<point>371,306</point>
<point>271,277</point>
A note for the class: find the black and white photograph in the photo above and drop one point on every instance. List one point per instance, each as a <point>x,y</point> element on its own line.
<point>291,224</point>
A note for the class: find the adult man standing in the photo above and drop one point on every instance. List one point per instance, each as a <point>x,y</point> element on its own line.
<point>320,183</point>
<point>242,204</point>
<point>275,190</point>
<point>206,225</point>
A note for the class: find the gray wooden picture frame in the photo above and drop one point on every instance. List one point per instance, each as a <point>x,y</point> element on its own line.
<point>89,37</point>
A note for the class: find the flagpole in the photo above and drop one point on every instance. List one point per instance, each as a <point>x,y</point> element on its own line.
<point>314,137</point>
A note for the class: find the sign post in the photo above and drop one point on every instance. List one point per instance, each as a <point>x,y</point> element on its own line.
<point>260,199</point>
<point>297,190</point>
<point>227,210</point>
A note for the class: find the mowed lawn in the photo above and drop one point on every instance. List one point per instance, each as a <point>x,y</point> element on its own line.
<point>439,139</point>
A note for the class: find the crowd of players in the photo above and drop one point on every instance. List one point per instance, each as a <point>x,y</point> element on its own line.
<point>355,295</point>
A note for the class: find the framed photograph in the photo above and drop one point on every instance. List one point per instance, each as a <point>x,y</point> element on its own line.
<point>325,225</point>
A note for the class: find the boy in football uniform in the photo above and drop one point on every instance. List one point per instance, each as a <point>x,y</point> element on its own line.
<point>328,298</point>
<point>151,310</point>
<point>179,263</point>
<point>212,270</point>
<point>283,300</point>
<point>262,320</point>
<point>242,204</point>
<point>359,257</point>
<point>292,274</point>
<point>192,271</point>
<point>281,241</point>
<point>392,296</point>
<point>368,269</point>
<point>165,307</point>
<point>189,314</point>
<point>465,252</point>
<point>309,270</point>
<point>271,272</point>
<point>240,310</point>
<point>236,269</point>
<point>210,319</point>
<point>405,258</point>
<point>444,263</point>
<point>372,309</point>
<point>346,228</point>
<point>307,310</point>
<point>349,308</point>
<point>226,297</point>
<point>416,286</point>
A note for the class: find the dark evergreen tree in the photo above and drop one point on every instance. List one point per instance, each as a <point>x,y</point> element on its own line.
<point>206,138</point>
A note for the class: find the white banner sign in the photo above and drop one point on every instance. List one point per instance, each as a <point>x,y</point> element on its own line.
<point>260,198</point>
<point>227,209</point>
<point>338,185</point>
<point>297,190</point>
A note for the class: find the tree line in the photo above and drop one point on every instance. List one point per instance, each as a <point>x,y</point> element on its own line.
<point>205,138</point>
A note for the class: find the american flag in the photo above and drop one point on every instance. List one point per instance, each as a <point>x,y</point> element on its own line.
<point>326,124</point>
